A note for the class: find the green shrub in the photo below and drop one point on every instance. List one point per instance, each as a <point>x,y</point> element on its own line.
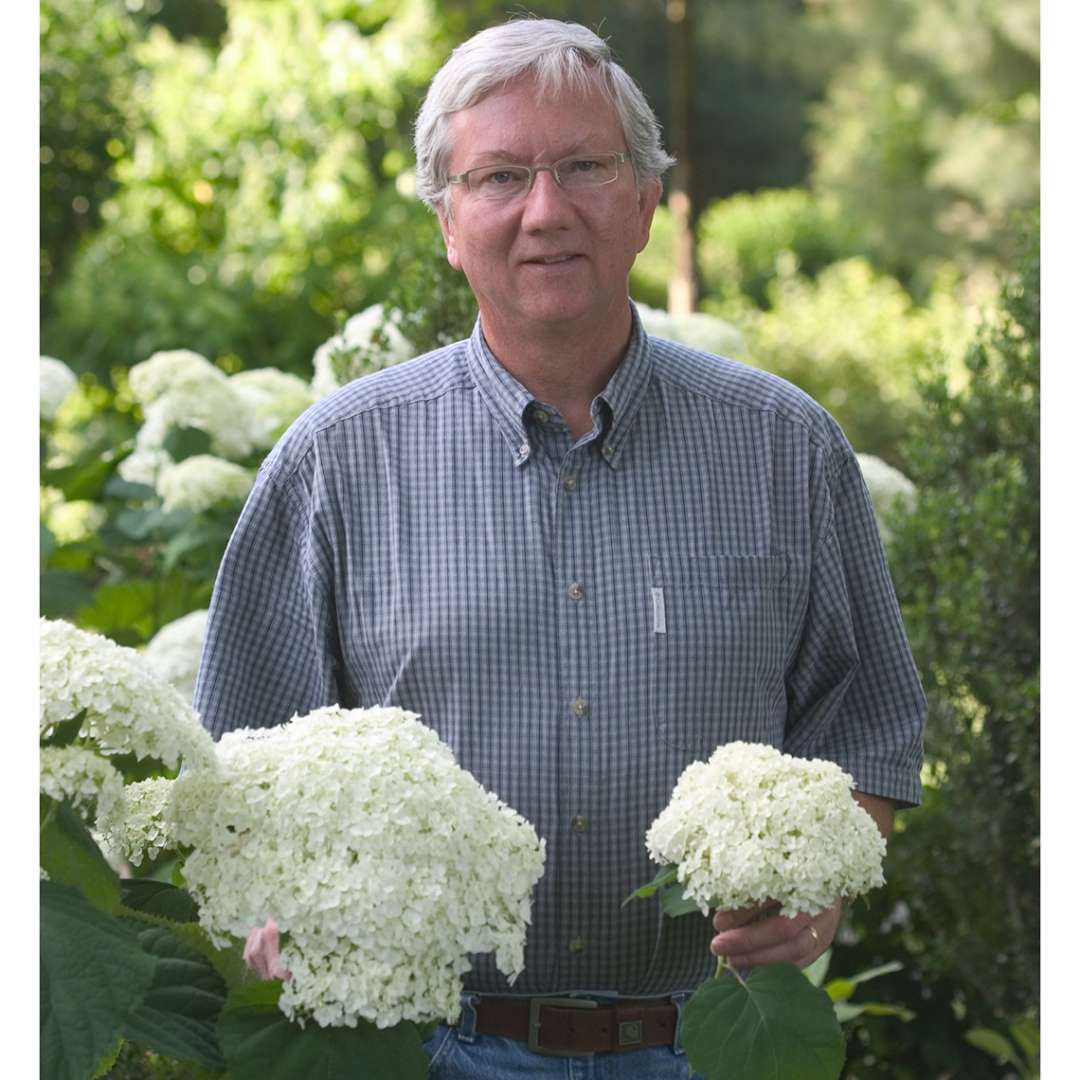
<point>742,240</point>
<point>853,340</point>
<point>963,894</point>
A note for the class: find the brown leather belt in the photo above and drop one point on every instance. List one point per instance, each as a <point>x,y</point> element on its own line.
<point>566,1027</point>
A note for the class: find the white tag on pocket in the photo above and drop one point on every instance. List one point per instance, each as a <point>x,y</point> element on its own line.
<point>659,620</point>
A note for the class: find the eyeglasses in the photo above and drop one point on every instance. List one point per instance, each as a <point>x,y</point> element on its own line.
<point>582,172</point>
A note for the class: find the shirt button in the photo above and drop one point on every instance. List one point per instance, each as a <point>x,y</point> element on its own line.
<point>577,945</point>
<point>608,450</point>
<point>576,591</point>
<point>581,707</point>
<point>579,824</point>
<point>540,416</point>
<point>569,482</point>
<point>523,451</point>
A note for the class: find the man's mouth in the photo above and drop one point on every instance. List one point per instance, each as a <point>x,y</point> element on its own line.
<point>551,260</point>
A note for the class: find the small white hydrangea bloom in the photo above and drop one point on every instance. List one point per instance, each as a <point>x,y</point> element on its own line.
<point>887,486</point>
<point>382,862</point>
<point>201,481</point>
<point>174,651</point>
<point>137,826</point>
<point>129,707</point>
<point>81,776</point>
<point>274,400</point>
<point>357,338</point>
<point>696,329</point>
<point>56,383</point>
<point>754,824</point>
<point>164,371</point>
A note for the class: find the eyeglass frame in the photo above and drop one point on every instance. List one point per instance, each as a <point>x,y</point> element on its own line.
<point>621,158</point>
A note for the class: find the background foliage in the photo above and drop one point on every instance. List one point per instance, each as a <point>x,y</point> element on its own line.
<point>233,177</point>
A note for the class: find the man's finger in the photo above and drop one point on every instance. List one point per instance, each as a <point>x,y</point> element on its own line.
<point>744,916</point>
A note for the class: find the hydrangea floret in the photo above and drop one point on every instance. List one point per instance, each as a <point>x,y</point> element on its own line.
<point>174,651</point>
<point>129,707</point>
<point>696,328</point>
<point>274,399</point>
<point>85,779</point>
<point>56,383</point>
<point>201,481</point>
<point>383,863</point>
<point>754,824</point>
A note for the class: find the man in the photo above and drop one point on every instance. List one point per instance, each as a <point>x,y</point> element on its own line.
<point>585,557</point>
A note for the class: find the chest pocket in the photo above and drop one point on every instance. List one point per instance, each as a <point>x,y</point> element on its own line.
<point>720,627</point>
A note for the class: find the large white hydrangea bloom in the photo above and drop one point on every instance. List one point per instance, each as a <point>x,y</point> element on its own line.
<point>56,383</point>
<point>382,862</point>
<point>137,825</point>
<point>174,651</point>
<point>201,481</point>
<point>274,399</point>
<point>129,707</point>
<point>356,339</point>
<point>87,780</point>
<point>180,388</point>
<point>696,329</point>
<point>753,824</point>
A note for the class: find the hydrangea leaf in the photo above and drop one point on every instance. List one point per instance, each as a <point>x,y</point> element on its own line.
<point>772,1025</point>
<point>177,1017</point>
<point>70,856</point>
<point>66,732</point>
<point>185,442</point>
<point>159,898</point>
<point>93,973</point>
<point>674,902</point>
<point>664,876</point>
<point>260,1043</point>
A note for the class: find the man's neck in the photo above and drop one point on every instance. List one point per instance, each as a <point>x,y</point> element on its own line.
<point>562,367</point>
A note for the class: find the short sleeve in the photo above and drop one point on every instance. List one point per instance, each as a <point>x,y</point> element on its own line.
<point>271,649</point>
<point>854,695</point>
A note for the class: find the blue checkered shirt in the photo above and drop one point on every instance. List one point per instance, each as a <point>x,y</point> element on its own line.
<point>579,619</point>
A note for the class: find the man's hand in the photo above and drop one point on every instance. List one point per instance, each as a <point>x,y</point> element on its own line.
<point>261,952</point>
<point>756,935</point>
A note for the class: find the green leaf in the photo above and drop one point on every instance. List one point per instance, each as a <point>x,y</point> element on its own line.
<point>179,1013</point>
<point>1026,1033</point>
<point>185,442</point>
<point>674,902</point>
<point>260,1043</point>
<point>61,592</point>
<point>994,1043</point>
<point>149,524</point>
<point>66,732</point>
<point>877,1008</point>
<point>873,973</point>
<point>70,857</point>
<point>816,971</point>
<point>665,876</point>
<point>93,973</point>
<point>46,543</point>
<point>840,989</point>
<point>119,488</point>
<point>83,480</point>
<point>159,898</point>
<point>845,1011</point>
<point>772,1025</point>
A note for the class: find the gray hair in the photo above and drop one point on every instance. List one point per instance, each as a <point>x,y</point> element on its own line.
<point>560,56</point>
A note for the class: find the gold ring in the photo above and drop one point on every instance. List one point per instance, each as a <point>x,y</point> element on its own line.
<point>814,932</point>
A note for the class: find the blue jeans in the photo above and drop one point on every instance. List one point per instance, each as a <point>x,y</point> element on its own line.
<point>459,1053</point>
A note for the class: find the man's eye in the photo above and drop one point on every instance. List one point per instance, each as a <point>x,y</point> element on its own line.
<point>582,165</point>
<point>499,177</point>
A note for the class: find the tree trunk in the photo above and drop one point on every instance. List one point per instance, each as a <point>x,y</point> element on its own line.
<point>682,288</point>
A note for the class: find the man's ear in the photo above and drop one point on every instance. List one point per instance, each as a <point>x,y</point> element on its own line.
<point>648,198</point>
<point>446,223</point>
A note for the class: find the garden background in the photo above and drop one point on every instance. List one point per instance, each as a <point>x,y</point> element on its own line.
<point>856,209</point>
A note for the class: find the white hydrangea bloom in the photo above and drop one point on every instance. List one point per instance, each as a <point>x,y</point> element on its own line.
<point>356,337</point>
<point>174,651</point>
<point>129,707</point>
<point>274,399</point>
<point>753,824</point>
<point>56,383</point>
<point>383,863</point>
<point>137,825</point>
<point>696,329</point>
<point>887,486</point>
<point>164,371</point>
<point>85,778</point>
<point>201,481</point>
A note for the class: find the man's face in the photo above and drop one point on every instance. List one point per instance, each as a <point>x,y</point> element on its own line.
<point>505,249</point>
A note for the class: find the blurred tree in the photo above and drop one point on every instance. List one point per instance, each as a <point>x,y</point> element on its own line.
<point>265,187</point>
<point>86,72</point>
<point>929,134</point>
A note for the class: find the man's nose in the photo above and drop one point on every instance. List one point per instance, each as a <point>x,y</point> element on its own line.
<point>546,204</point>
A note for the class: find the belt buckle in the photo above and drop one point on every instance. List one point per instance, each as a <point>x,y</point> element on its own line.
<point>538,1003</point>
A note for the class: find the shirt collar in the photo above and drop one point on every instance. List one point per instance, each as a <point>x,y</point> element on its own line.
<point>508,401</point>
